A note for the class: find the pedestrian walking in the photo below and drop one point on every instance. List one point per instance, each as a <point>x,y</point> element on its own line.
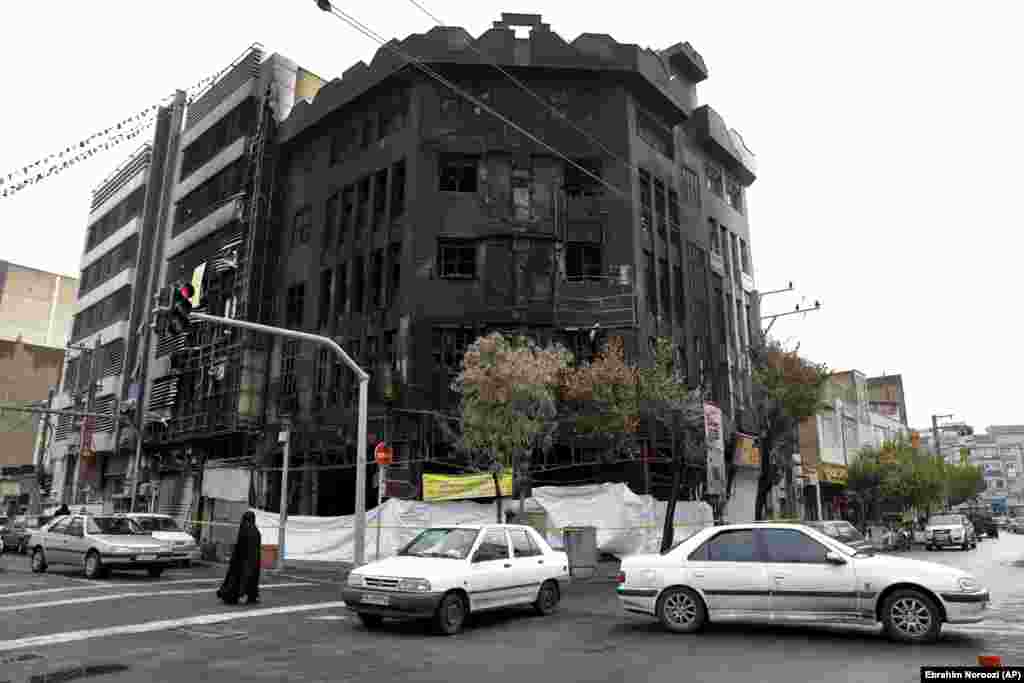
<point>243,576</point>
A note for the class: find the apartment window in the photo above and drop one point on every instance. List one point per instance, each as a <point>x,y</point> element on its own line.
<point>522,193</point>
<point>358,284</point>
<point>734,195</point>
<point>238,122</point>
<point>110,264</point>
<point>716,248</point>
<point>651,280</point>
<point>348,205</point>
<point>324,302</point>
<point>396,111</point>
<point>691,186</point>
<point>363,206</point>
<point>337,379</point>
<point>397,189</point>
<point>751,335</point>
<point>666,291</point>
<point>680,300</point>
<point>302,225</point>
<point>377,277</point>
<point>736,258</point>
<point>116,218</point>
<point>645,200</point>
<point>716,183</point>
<point>339,145</point>
<point>323,364</point>
<point>395,259</point>
<point>380,197</point>
<point>457,260</point>
<point>673,210</point>
<point>390,355</point>
<point>449,347</point>
<point>341,290</point>
<point>372,350</point>
<point>201,201</point>
<point>583,260</point>
<point>289,354</point>
<point>659,203</point>
<point>744,256</point>
<point>331,210</point>
<point>723,242</point>
<point>295,306</point>
<point>459,173</point>
<point>741,329</point>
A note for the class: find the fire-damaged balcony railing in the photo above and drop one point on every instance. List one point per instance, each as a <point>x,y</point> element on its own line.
<point>607,300</point>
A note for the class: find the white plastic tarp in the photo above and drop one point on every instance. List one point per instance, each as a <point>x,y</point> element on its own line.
<point>227,484</point>
<point>627,523</point>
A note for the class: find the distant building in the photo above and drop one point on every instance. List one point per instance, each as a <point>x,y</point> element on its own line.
<point>886,397</point>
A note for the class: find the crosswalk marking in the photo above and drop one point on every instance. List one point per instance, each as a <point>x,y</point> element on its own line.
<point>162,625</point>
<point>120,596</point>
<point>102,584</point>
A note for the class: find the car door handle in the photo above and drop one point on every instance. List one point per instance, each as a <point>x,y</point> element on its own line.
<point>507,566</point>
<point>540,561</point>
<point>780,578</point>
<point>699,575</point>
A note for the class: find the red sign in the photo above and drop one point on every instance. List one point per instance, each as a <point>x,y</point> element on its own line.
<point>383,454</point>
<point>396,489</point>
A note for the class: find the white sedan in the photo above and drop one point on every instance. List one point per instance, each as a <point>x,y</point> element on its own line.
<point>446,573</point>
<point>789,573</point>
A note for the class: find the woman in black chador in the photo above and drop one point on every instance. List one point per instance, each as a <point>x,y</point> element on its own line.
<point>244,569</point>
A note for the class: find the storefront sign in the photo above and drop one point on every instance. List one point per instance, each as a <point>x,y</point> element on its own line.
<point>716,449</point>
<point>747,455</point>
<point>463,486</point>
<point>833,474</point>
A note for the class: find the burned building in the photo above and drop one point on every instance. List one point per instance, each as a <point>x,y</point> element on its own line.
<point>530,185</point>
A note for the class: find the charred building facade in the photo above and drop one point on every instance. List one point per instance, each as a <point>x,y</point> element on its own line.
<point>413,220</point>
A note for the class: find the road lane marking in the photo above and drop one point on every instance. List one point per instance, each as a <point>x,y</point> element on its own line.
<point>329,617</point>
<point>162,625</point>
<point>119,596</point>
<point>104,584</point>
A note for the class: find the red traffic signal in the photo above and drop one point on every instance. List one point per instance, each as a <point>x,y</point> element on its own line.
<point>181,308</point>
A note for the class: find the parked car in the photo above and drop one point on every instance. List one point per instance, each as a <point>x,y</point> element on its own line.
<point>98,544</point>
<point>844,532</point>
<point>984,525</point>
<point>1016,525</point>
<point>949,530</point>
<point>444,574</point>
<point>793,573</point>
<point>19,529</point>
<point>165,528</point>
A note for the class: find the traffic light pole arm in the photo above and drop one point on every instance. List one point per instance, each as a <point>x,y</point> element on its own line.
<point>359,552</point>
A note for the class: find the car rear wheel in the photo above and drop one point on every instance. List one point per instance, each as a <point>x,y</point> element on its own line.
<point>93,565</point>
<point>912,617</point>
<point>681,610</point>
<point>450,615</point>
<point>371,621</point>
<point>155,572</point>
<point>38,561</point>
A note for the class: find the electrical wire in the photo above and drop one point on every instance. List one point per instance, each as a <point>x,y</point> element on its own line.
<point>376,37</point>
<point>522,86</point>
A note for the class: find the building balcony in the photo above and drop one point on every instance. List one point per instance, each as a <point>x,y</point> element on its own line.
<point>100,292</point>
<point>218,163</point>
<point>215,217</point>
<point>608,300</point>
<point>98,251</point>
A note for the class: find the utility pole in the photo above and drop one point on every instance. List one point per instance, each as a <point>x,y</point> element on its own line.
<point>35,506</point>
<point>90,395</point>
<point>286,439</point>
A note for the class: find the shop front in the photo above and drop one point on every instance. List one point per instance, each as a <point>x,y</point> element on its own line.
<point>834,502</point>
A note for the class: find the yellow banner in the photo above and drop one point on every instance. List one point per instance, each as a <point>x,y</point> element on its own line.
<point>462,486</point>
<point>834,474</point>
<point>747,455</point>
<point>9,488</point>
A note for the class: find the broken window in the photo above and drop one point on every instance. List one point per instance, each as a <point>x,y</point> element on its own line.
<point>716,248</point>
<point>363,206</point>
<point>680,300</point>
<point>330,223</point>
<point>380,197</point>
<point>377,278</point>
<point>666,292</point>
<point>449,347</point>
<point>358,284</point>
<point>459,173</point>
<point>347,209</point>
<point>397,189</point>
<point>651,280</point>
<point>457,260</point>
<point>673,210</point>
<point>691,186</point>
<point>522,193</point>
<point>716,183</point>
<point>582,260</point>
<point>341,290</point>
<point>645,200</point>
<point>659,203</point>
<point>295,306</point>
<point>734,195</point>
<point>582,178</point>
<point>395,258</point>
<point>302,225</point>
<point>324,303</point>
<point>289,385</point>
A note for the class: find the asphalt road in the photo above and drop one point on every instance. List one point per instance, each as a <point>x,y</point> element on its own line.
<point>60,627</point>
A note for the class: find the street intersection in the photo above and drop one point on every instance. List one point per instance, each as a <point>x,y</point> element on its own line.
<point>58,626</point>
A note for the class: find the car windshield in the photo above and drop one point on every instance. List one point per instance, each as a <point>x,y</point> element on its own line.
<point>149,524</point>
<point>945,519</point>
<point>111,526</point>
<point>844,531</point>
<point>448,543</point>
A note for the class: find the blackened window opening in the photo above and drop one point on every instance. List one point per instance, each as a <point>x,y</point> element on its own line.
<point>459,173</point>
<point>583,261</point>
<point>457,260</point>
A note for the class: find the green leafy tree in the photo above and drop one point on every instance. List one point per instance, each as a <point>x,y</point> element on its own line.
<point>964,482</point>
<point>915,478</point>
<point>509,391</point>
<point>786,389</point>
<point>864,481</point>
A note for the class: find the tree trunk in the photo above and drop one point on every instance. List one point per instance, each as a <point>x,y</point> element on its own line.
<point>521,482</point>
<point>497,500</point>
<point>668,533</point>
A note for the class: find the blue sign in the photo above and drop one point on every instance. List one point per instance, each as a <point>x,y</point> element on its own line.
<point>999,506</point>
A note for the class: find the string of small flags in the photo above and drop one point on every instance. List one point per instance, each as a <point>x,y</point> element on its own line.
<point>66,162</point>
<point>123,130</point>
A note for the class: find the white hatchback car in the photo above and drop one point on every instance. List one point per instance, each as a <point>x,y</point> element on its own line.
<point>446,573</point>
<point>789,573</point>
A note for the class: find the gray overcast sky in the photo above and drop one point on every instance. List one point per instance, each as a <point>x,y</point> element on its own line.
<point>885,134</point>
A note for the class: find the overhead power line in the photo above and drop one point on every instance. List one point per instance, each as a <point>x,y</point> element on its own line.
<point>327,6</point>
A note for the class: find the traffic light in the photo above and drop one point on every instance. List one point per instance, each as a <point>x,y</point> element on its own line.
<point>181,307</point>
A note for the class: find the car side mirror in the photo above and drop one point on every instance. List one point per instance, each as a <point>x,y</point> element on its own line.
<point>834,558</point>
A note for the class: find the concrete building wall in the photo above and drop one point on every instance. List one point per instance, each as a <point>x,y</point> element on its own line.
<point>35,305</point>
<point>27,372</point>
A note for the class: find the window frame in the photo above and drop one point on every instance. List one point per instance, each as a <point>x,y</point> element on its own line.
<point>456,163</point>
<point>702,548</point>
<point>469,246</point>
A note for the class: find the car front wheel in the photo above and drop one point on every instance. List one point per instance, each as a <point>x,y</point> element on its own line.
<point>93,565</point>
<point>547,598</point>
<point>450,615</point>
<point>911,616</point>
<point>371,621</point>
<point>681,610</point>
